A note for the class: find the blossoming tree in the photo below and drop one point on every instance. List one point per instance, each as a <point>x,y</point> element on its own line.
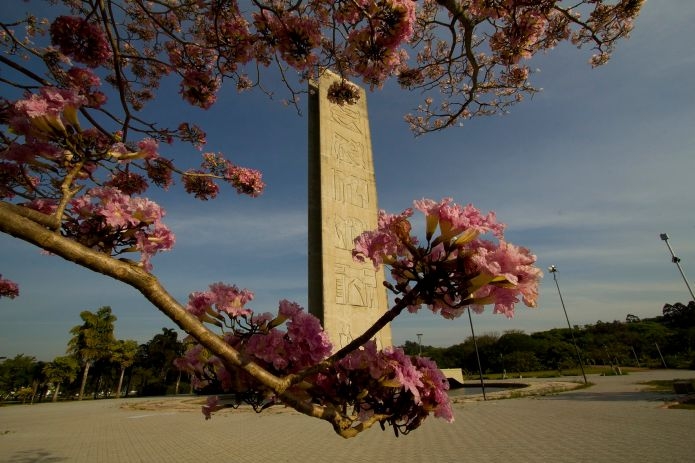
<point>76,155</point>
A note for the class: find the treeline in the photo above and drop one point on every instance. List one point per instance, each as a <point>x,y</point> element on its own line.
<point>97,365</point>
<point>667,340</point>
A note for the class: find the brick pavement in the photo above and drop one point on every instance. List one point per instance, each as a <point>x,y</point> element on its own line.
<point>610,422</point>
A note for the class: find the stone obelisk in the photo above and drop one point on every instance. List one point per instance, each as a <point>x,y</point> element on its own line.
<point>345,295</point>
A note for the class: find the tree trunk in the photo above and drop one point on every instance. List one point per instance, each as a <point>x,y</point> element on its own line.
<point>55,393</point>
<point>178,381</point>
<point>84,379</point>
<point>127,385</point>
<point>120,383</point>
<point>34,391</point>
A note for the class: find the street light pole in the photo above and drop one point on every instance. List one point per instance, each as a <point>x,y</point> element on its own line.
<point>419,341</point>
<point>477,354</point>
<point>552,269</point>
<point>677,261</point>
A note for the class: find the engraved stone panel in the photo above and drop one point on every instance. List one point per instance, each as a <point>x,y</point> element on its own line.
<point>347,296</point>
<point>350,189</point>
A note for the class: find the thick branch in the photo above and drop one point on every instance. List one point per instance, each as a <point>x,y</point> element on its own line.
<point>19,226</point>
<point>15,221</point>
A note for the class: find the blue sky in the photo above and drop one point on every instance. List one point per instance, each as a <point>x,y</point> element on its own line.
<point>587,174</point>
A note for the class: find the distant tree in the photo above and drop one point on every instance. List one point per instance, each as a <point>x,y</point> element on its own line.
<point>162,350</point>
<point>632,318</point>
<point>124,355</point>
<point>60,370</point>
<point>93,340</point>
<point>39,383</point>
<point>15,373</point>
<point>679,315</point>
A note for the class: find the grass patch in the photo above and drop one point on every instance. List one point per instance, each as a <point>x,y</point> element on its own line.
<point>669,386</point>
<point>603,370</point>
<point>666,385</point>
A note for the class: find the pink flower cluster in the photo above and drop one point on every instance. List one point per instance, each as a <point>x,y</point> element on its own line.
<point>295,37</point>
<point>244,180</point>
<point>81,40</point>
<point>456,269</point>
<point>301,344</point>
<point>201,182</point>
<point>112,222</point>
<point>406,389</point>
<point>86,83</point>
<point>402,390</point>
<point>200,88</point>
<point>220,298</point>
<point>8,288</point>
<point>373,50</point>
<point>41,116</point>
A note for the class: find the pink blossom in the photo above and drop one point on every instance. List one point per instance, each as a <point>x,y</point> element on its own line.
<point>230,299</point>
<point>148,148</point>
<point>200,185</point>
<point>108,220</point>
<point>515,265</point>
<point>288,309</point>
<point>404,371</point>
<point>81,40</point>
<point>193,134</point>
<point>199,303</point>
<point>389,240</point>
<point>200,88</point>
<point>245,180</point>
<point>343,92</point>
<point>152,241</point>
<point>302,345</point>
<point>128,182</point>
<point>159,170</point>
<point>270,348</point>
<point>433,392</point>
<point>406,388</point>
<point>46,111</point>
<point>8,288</point>
<point>86,83</point>
<point>28,152</point>
<point>454,219</point>
<point>294,37</point>
<point>454,270</point>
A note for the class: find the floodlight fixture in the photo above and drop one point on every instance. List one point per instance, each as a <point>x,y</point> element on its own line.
<point>677,261</point>
<point>552,269</point>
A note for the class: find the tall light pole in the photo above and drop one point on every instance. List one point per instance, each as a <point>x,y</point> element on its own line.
<point>477,354</point>
<point>419,342</point>
<point>552,269</point>
<point>677,261</point>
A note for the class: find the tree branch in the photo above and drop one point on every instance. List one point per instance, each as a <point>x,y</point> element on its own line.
<point>25,224</point>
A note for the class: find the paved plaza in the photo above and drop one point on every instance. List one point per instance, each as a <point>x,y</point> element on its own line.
<point>613,421</point>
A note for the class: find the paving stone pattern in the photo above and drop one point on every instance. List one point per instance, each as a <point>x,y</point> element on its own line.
<point>613,421</point>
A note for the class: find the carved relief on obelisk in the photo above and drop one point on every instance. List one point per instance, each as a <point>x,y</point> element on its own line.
<point>347,296</point>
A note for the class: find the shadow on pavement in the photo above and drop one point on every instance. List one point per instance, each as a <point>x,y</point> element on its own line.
<point>34,456</point>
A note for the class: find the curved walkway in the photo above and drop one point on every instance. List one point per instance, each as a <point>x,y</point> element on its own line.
<point>613,421</point>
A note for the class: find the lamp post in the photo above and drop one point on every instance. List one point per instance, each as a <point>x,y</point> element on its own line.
<point>677,261</point>
<point>477,354</point>
<point>552,269</point>
<point>419,342</point>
